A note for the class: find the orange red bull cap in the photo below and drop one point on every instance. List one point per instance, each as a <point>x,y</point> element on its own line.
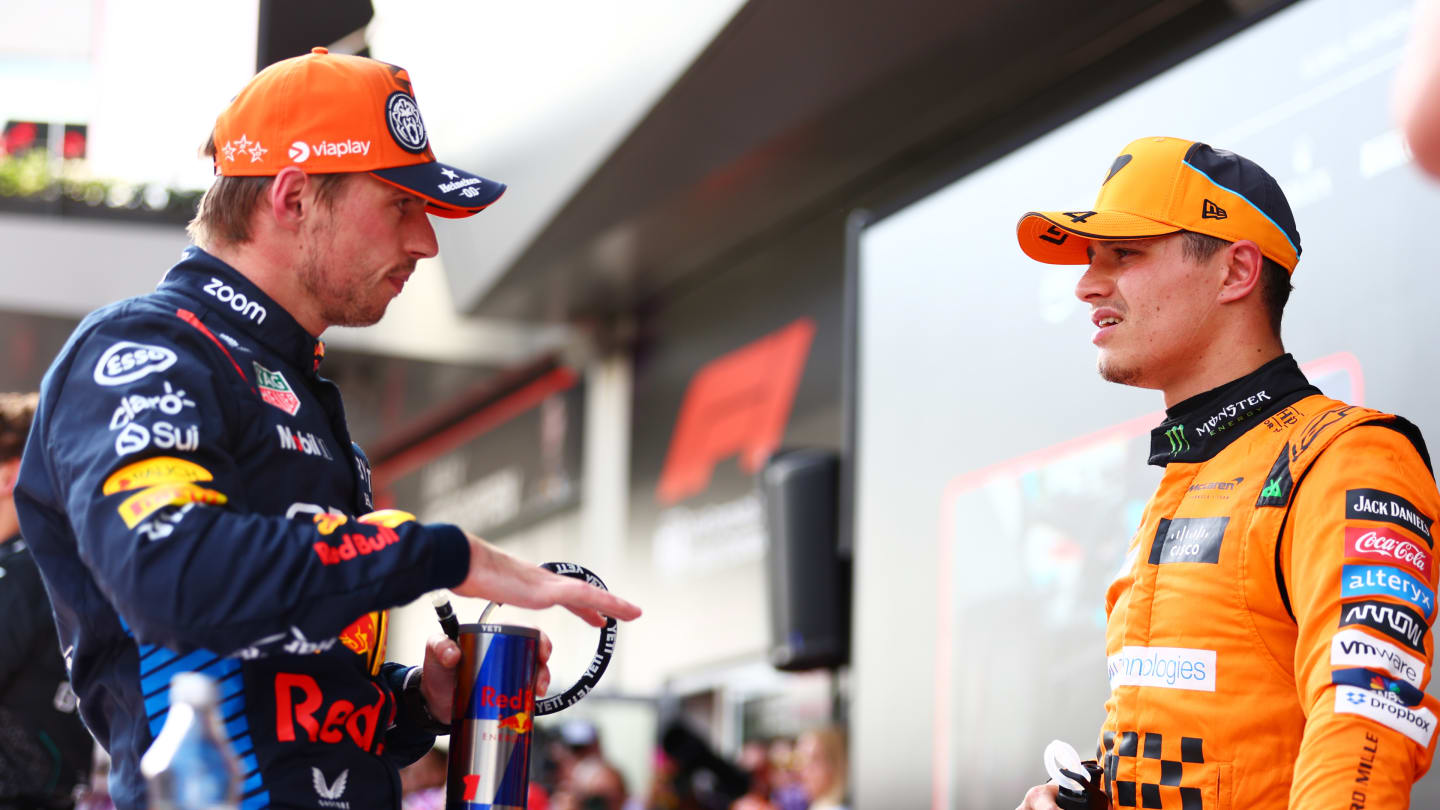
<point>328,113</point>
<point>1159,186</point>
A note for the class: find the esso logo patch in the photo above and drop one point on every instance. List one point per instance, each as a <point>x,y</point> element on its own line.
<point>299,151</point>
<point>127,362</point>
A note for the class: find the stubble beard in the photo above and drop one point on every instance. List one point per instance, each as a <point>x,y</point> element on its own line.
<point>340,303</point>
<point>1116,373</point>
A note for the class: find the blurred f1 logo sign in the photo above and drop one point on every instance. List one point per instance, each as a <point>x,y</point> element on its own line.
<point>738,403</point>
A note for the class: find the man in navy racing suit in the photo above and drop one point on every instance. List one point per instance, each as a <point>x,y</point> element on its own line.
<point>190,490</point>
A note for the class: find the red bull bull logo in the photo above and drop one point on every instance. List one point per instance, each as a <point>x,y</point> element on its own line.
<point>518,723</point>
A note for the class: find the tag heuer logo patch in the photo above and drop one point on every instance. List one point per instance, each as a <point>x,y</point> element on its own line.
<point>276,391</point>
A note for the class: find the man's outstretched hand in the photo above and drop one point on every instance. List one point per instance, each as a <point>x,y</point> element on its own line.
<point>498,577</point>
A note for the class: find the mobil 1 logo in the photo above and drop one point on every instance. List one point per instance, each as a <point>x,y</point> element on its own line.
<point>1188,540</point>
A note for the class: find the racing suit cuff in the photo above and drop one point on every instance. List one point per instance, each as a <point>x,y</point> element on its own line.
<point>450,563</point>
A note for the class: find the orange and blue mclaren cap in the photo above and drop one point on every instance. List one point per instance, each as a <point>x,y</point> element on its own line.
<point>1159,186</point>
<point>326,113</point>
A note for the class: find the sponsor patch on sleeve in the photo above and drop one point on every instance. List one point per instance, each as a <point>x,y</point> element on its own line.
<point>1386,545</point>
<point>1396,621</point>
<point>1356,648</point>
<point>1385,580</point>
<point>1416,723</point>
<point>153,471</point>
<point>147,502</point>
<point>1387,507</point>
<point>1365,679</point>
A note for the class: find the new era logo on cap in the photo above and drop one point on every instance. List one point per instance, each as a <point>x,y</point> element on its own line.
<point>1160,186</point>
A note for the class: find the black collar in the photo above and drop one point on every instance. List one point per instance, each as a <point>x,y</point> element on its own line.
<point>1203,425</point>
<point>243,306</point>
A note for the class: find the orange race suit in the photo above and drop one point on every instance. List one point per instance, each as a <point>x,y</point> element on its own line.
<point>1268,638</point>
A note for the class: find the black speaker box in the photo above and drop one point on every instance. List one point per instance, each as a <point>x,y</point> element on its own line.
<point>809,577</point>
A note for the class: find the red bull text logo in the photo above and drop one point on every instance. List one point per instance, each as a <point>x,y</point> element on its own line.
<point>520,701</point>
<point>354,545</point>
<point>317,721</point>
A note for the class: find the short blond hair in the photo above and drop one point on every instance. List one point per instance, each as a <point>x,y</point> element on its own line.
<point>17,411</point>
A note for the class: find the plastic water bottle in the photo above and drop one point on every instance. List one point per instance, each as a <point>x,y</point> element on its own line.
<point>191,766</point>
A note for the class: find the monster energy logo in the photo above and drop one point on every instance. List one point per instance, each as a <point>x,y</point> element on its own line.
<point>1178,442</point>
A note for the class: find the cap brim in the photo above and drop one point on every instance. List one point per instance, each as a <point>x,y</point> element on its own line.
<point>448,191</point>
<point>1044,238</point>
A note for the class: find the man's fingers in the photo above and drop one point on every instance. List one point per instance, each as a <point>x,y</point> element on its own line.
<point>542,681</point>
<point>1040,797</point>
<point>590,617</point>
<point>443,651</point>
<point>546,647</point>
<point>589,597</point>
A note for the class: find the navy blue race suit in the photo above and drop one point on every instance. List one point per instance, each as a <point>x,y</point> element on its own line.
<point>194,502</point>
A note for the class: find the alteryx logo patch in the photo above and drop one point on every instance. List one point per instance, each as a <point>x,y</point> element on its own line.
<point>1163,668</point>
<point>1192,540</point>
<point>1396,621</point>
<point>1383,580</point>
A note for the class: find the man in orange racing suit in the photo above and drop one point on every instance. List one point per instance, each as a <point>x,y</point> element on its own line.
<point>1267,639</point>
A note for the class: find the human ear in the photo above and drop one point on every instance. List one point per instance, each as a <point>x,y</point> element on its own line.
<point>1243,265</point>
<point>286,198</point>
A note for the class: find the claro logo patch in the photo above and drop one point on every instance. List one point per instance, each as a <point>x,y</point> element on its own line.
<point>1163,668</point>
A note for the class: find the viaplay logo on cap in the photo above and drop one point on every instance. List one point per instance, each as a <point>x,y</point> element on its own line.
<point>403,117</point>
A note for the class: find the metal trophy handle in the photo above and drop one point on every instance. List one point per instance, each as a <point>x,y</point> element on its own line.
<point>603,651</point>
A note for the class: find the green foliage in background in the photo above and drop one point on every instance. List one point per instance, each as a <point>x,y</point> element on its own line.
<point>34,174</point>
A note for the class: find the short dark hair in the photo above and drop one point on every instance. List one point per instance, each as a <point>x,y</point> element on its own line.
<point>16,413</point>
<point>223,216</point>
<point>1275,286</point>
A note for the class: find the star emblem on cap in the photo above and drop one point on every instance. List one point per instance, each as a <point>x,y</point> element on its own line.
<point>449,174</point>
<point>229,150</point>
<point>242,143</point>
<point>256,151</point>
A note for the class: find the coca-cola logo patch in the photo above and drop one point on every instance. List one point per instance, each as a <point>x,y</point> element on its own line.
<point>1388,546</point>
